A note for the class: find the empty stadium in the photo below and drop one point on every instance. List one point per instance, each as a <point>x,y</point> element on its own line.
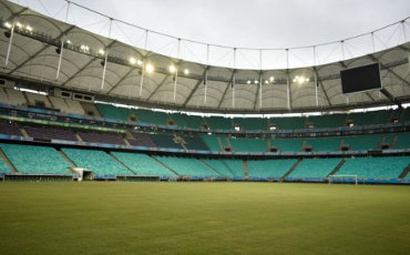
<point>133,150</point>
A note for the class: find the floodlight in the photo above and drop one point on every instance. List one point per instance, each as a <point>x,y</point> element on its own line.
<point>132,60</point>
<point>172,69</point>
<point>29,28</point>
<point>101,52</point>
<point>8,25</point>
<point>248,82</point>
<point>186,71</point>
<point>149,68</point>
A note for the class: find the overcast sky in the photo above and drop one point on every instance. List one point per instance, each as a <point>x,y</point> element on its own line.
<point>250,23</point>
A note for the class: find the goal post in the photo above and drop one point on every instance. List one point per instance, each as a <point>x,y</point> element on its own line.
<point>347,178</point>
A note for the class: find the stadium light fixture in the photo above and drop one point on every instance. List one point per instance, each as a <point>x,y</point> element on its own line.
<point>248,82</point>
<point>8,25</point>
<point>256,81</point>
<point>139,62</point>
<point>29,28</point>
<point>101,52</point>
<point>149,68</point>
<point>186,71</point>
<point>172,69</point>
<point>300,79</point>
<point>19,25</point>
<point>132,61</point>
<point>271,79</point>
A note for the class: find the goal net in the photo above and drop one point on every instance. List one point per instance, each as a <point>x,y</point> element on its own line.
<point>343,179</point>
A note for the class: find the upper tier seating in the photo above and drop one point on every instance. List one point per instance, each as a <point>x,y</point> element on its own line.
<point>327,121</point>
<point>30,159</point>
<point>98,161</point>
<point>249,145</point>
<point>251,123</point>
<point>287,145</point>
<point>370,118</point>
<point>288,123</point>
<point>212,142</point>
<point>48,133</point>
<point>403,141</point>
<point>112,112</point>
<point>148,116</point>
<point>59,104</point>
<point>15,97</point>
<point>38,100</point>
<point>219,123</point>
<point>141,139</point>
<point>363,142</point>
<point>95,137</point>
<point>9,128</point>
<point>323,144</point>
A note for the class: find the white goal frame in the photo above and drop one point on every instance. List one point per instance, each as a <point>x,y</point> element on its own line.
<point>334,176</point>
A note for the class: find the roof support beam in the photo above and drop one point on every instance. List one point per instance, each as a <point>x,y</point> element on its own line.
<point>158,87</point>
<point>120,81</point>
<point>194,90</point>
<point>229,84</point>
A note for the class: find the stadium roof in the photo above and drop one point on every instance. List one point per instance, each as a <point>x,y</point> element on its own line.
<point>40,52</point>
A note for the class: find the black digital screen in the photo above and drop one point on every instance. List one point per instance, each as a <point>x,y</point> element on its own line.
<point>361,78</point>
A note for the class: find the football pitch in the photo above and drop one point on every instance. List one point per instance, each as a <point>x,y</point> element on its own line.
<point>203,218</point>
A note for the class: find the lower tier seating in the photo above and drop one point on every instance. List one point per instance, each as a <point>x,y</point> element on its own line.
<point>31,159</point>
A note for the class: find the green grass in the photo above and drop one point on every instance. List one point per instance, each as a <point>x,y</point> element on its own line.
<point>203,218</point>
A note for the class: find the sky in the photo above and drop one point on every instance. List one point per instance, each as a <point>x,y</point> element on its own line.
<point>250,24</point>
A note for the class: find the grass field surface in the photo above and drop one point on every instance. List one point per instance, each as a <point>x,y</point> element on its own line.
<point>203,218</point>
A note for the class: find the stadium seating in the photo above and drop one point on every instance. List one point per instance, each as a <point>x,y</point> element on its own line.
<point>288,145</point>
<point>9,128</point>
<point>187,167</point>
<point>403,141</point>
<point>141,139</point>
<point>48,133</point>
<point>376,167</point>
<point>4,168</point>
<point>315,168</point>
<point>142,164</point>
<point>16,97</point>
<point>249,145</point>
<point>370,118</point>
<point>96,137</point>
<point>228,168</point>
<point>288,123</point>
<point>38,100</point>
<point>327,121</point>
<point>148,116</point>
<point>212,142</point>
<point>98,161</point>
<point>323,144</point>
<point>219,123</point>
<point>251,123</point>
<point>364,142</point>
<point>31,159</point>
<point>270,168</point>
<point>112,112</point>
